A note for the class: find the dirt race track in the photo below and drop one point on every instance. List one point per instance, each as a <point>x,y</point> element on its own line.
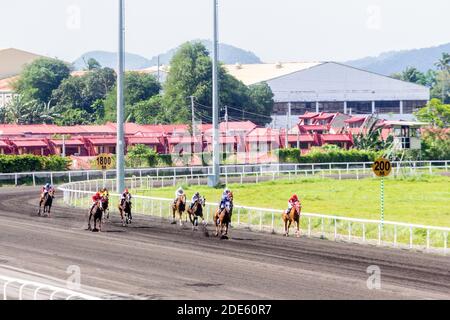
<point>152,259</point>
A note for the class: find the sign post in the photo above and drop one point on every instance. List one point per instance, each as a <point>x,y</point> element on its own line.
<point>382,168</point>
<point>104,162</point>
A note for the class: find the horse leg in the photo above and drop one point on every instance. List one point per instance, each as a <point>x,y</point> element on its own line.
<point>89,222</point>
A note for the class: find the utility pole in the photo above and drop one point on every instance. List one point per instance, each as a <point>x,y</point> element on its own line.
<point>287,129</point>
<point>64,146</point>
<point>159,79</point>
<point>226,119</point>
<point>214,179</point>
<point>120,148</point>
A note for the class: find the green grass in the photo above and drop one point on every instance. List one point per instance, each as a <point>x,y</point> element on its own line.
<point>420,199</point>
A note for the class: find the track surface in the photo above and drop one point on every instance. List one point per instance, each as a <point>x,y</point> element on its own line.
<point>155,260</point>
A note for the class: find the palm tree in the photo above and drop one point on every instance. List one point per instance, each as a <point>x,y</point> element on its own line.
<point>444,62</point>
<point>22,111</point>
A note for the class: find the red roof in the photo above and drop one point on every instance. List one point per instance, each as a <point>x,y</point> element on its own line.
<point>102,141</point>
<point>309,115</point>
<point>301,138</point>
<point>143,140</point>
<point>355,119</point>
<point>336,138</point>
<point>314,127</point>
<point>222,139</point>
<point>182,139</point>
<point>3,144</point>
<point>325,116</point>
<point>29,143</point>
<point>69,142</point>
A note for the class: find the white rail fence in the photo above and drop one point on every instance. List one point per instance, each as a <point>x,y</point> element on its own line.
<point>236,173</point>
<point>19,289</point>
<point>337,228</point>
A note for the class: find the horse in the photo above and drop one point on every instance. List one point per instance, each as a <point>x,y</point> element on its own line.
<point>125,211</point>
<point>196,212</point>
<point>179,206</point>
<point>47,201</point>
<point>293,216</point>
<point>222,219</point>
<point>97,213</point>
<point>105,208</point>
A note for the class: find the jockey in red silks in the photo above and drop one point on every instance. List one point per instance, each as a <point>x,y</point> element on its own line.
<point>291,203</point>
<point>95,199</point>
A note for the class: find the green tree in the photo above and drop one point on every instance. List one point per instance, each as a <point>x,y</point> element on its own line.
<point>22,111</point>
<point>140,155</point>
<point>137,87</point>
<point>411,74</point>
<point>72,117</point>
<point>436,144</point>
<point>148,111</point>
<point>436,113</point>
<point>40,78</point>
<point>191,75</point>
<point>92,64</point>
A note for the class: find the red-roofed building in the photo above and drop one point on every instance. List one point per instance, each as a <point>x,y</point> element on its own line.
<point>98,145</point>
<point>154,143</point>
<point>344,141</point>
<point>4,147</point>
<point>73,147</point>
<point>29,146</point>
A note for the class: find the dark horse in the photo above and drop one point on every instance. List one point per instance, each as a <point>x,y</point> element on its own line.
<point>125,211</point>
<point>196,212</point>
<point>97,213</point>
<point>47,202</point>
<point>105,208</point>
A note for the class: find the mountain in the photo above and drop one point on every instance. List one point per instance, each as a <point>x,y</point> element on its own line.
<point>228,54</point>
<point>397,61</point>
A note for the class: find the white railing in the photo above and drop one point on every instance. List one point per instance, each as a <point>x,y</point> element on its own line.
<point>336,170</point>
<point>14,288</point>
<point>337,228</point>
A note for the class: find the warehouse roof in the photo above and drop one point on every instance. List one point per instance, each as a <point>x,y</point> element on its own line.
<point>256,73</point>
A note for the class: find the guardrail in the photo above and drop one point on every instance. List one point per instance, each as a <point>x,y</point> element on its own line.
<point>337,228</point>
<point>30,290</point>
<point>336,169</point>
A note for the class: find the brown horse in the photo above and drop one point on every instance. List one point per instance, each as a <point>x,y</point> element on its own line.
<point>179,206</point>
<point>46,202</point>
<point>196,212</point>
<point>293,216</point>
<point>97,213</point>
<point>222,219</point>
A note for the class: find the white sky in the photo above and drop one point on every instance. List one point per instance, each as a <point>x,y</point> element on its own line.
<point>276,30</point>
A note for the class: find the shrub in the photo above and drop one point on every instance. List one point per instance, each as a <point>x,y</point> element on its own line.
<point>320,155</point>
<point>32,163</point>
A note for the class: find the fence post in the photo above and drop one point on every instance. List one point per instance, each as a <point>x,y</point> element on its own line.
<point>428,239</point>
<point>410,238</point>
<point>239,216</point>
<point>364,232</point>
<point>260,221</point>
<point>349,231</point>
<point>445,242</point>
<point>395,235</point>
<point>273,222</point>
<point>309,226</point>
<point>379,234</point>
<point>335,229</point>
<point>323,227</point>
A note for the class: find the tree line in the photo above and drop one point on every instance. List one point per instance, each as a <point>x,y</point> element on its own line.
<point>48,92</point>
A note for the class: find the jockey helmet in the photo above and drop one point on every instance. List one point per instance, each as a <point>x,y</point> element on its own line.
<point>126,190</point>
<point>197,194</point>
<point>47,185</point>
<point>180,190</point>
<point>227,190</point>
<point>295,197</point>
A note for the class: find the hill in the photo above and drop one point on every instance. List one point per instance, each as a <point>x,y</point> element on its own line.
<point>397,61</point>
<point>228,54</point>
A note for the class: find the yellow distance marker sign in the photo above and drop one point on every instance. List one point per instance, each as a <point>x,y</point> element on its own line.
<point>104,161</point>
<point>382,167</point>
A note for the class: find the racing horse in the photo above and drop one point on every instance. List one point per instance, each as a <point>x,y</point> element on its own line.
<point>46,202</point>
<point>97,214</point>
<point>105,208</point>
<point>196,212</point>
<point>179,206</point>
<point>293,216</point>
<point>222,219</point>
<point>125,211</point>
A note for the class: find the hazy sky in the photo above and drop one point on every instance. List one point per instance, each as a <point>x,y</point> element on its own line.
<point>276,30</point>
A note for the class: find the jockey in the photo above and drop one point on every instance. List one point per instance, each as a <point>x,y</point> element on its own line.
<point>46,189</point>
<point>95,199</point>
<point>226,198</point>
<point>291,203</point>
<point>195,198</point>
<point>124,196</point>
<point>179,193</point>
<point>105,193</point>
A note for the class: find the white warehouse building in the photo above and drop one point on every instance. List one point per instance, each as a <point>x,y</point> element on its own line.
<point>300,87</point>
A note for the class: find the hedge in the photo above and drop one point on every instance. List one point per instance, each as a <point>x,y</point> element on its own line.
<point>32,163</point>
<point>318,155</point>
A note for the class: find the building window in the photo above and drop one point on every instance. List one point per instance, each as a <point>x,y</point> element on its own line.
<point>387,106</point>
<point>359,107</point>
